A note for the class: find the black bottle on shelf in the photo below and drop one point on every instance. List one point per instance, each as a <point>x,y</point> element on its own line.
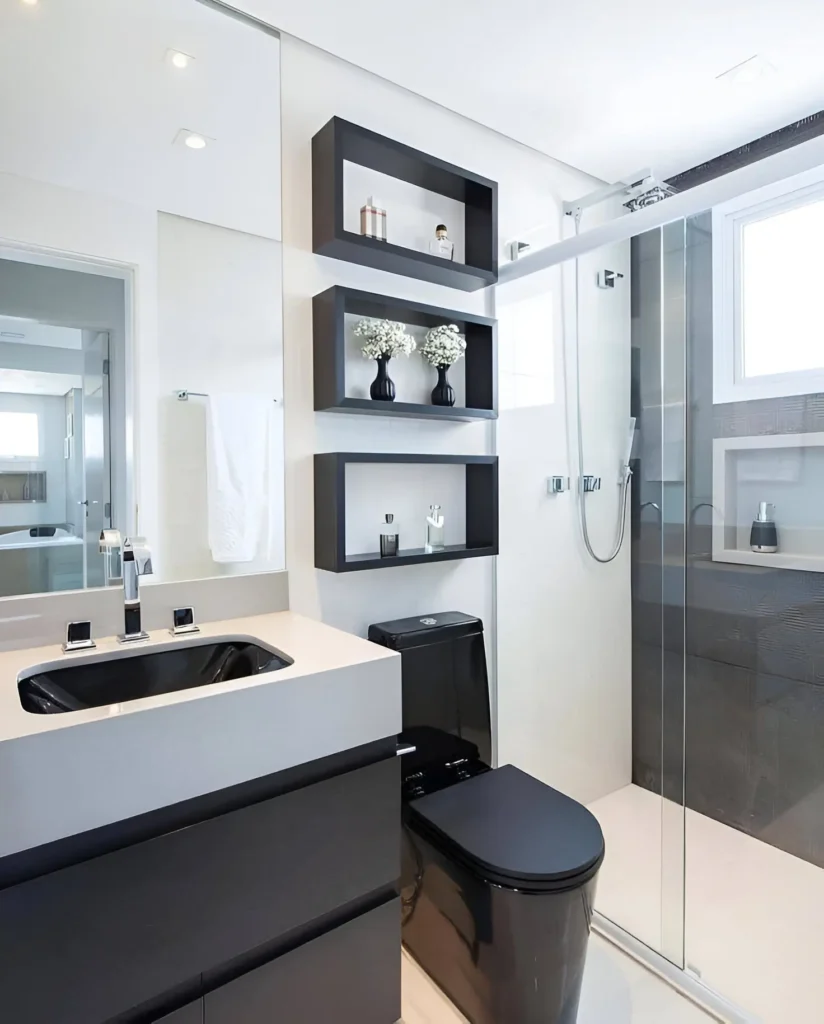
<point>764,534</point>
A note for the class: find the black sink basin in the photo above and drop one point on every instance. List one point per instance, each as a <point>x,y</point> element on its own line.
<point>146,672</point>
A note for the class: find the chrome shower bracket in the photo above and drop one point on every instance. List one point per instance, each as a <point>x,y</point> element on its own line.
<point>589,484</point>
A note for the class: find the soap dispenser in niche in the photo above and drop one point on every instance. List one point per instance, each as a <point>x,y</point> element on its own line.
<point>764,533</point>
<point>434,530</point>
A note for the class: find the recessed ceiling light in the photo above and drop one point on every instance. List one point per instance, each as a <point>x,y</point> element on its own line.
<point>193,140</point>
<point>748,71</point>
<point>178,59</point>
<point>30,3</point>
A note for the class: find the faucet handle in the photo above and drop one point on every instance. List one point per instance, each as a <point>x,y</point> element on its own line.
<point>184,621</point>
<point>79,637</point>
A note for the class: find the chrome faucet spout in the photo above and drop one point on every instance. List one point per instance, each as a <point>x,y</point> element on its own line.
<point>137,562</point>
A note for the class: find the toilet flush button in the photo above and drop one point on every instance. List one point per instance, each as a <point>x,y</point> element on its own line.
<point>429,622</point>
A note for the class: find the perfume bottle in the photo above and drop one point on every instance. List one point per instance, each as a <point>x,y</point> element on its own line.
<point>440,244</point>
<point>434,530</point>
<point>764,534</point>
<point>373,220</point>
<point>389,537</point>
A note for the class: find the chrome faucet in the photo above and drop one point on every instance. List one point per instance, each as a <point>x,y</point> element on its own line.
<point>137,562</point>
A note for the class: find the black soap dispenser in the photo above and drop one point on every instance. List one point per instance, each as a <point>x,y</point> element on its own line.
<point>764,535</point>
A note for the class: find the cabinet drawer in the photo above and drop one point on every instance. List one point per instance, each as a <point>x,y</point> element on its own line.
<point>91,941</point>
<point>351,975</point>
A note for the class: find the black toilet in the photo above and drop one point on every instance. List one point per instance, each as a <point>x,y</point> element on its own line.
<point>499,870</point>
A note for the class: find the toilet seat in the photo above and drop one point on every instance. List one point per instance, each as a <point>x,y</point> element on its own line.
<point>512,830</point>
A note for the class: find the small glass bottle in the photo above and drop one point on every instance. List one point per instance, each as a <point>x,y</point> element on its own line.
<point>441,245</point>
<point>434,530</point>
<point>389,537</point>
<point>373,220</point>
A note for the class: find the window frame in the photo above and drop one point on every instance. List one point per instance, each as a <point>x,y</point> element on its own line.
<point>728,222</point>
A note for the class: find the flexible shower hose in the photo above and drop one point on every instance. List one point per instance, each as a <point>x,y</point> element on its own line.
<point>582,497</point>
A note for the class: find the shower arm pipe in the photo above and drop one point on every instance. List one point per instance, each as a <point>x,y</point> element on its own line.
<point>800,158</point>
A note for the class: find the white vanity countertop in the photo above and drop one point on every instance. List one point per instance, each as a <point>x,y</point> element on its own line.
<point>66,773</point>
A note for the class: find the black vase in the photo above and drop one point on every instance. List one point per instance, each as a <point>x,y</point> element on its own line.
<point>443,393</point>
<point>383,387</point>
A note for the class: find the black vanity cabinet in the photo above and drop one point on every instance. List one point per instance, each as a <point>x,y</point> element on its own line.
<point>275,900</point>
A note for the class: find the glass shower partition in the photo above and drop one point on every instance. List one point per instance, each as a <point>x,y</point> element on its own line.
<point>642,884</point>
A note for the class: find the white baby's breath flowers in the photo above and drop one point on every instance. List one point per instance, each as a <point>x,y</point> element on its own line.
<point>443,345</point>
<point>384,338</point>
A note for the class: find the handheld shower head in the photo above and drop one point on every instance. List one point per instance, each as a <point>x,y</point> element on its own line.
<point>630,442</point>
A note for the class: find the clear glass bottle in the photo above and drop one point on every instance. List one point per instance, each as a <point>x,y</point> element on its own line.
<point>389,537</point>
<point>373,220</point>
<point>441,245</point>
<point>434,530</point>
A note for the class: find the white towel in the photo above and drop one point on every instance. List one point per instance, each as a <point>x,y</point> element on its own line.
<point>239,474</point>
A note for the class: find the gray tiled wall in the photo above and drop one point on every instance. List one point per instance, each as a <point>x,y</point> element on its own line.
<point>751,683</point>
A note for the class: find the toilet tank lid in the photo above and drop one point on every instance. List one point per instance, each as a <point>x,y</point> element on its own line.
<point>418,630</point>
<point>516,829</point>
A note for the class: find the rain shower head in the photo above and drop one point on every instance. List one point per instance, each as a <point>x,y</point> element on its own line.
<point>647,192</point>
<point>636,191</point>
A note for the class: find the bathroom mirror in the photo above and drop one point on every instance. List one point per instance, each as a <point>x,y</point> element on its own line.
<point>140,291</point>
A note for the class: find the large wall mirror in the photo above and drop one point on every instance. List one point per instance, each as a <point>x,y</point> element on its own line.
<point>140,291</point>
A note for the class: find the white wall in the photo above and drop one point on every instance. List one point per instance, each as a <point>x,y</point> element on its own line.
<point>219,330</point>
<point>565,685</point>
<point>51,425</point>
<point>563,700</point>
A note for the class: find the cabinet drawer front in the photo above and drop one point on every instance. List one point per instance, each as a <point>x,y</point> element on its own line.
<point>120,930</point>
<point>351,975</point>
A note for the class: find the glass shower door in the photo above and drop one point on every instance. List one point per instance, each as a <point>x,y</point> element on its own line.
<point>641,889</point>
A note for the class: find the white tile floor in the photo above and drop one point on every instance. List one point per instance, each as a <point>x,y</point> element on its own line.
<point>617,990</point>
<point>753,913</point>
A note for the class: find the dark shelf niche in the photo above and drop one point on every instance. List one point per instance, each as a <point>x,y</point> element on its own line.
<point>329,310</point>
<point>340,141</point>
<point>330,511</point>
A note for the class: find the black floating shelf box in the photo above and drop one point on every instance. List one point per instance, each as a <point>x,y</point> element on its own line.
<point>330,511</point>
<point>329,310</point>
<point>340,141</point>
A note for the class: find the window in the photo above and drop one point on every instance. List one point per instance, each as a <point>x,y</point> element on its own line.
<point>19,435</point>
<point>768,269</point>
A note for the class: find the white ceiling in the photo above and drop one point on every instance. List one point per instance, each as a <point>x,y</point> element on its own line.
<point>91,102</point>
<point>36,382</point>
<point>609,87</point>
<point>18,331</point>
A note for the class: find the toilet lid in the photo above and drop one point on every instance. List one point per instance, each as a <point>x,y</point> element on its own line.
<point>516,830</point>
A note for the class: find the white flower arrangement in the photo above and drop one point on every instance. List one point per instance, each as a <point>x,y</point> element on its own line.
<point>384,338</point>
<point>443,345</point>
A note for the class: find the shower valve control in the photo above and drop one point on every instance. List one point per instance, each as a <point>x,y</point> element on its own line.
<point>607,278</point>
<point>590,484</point>
<point>557,484</point>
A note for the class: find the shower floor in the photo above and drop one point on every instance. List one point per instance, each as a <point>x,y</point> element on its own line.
<point>753,913</point>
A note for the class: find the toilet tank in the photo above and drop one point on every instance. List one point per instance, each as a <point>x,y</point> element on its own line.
<point>445,681</point>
